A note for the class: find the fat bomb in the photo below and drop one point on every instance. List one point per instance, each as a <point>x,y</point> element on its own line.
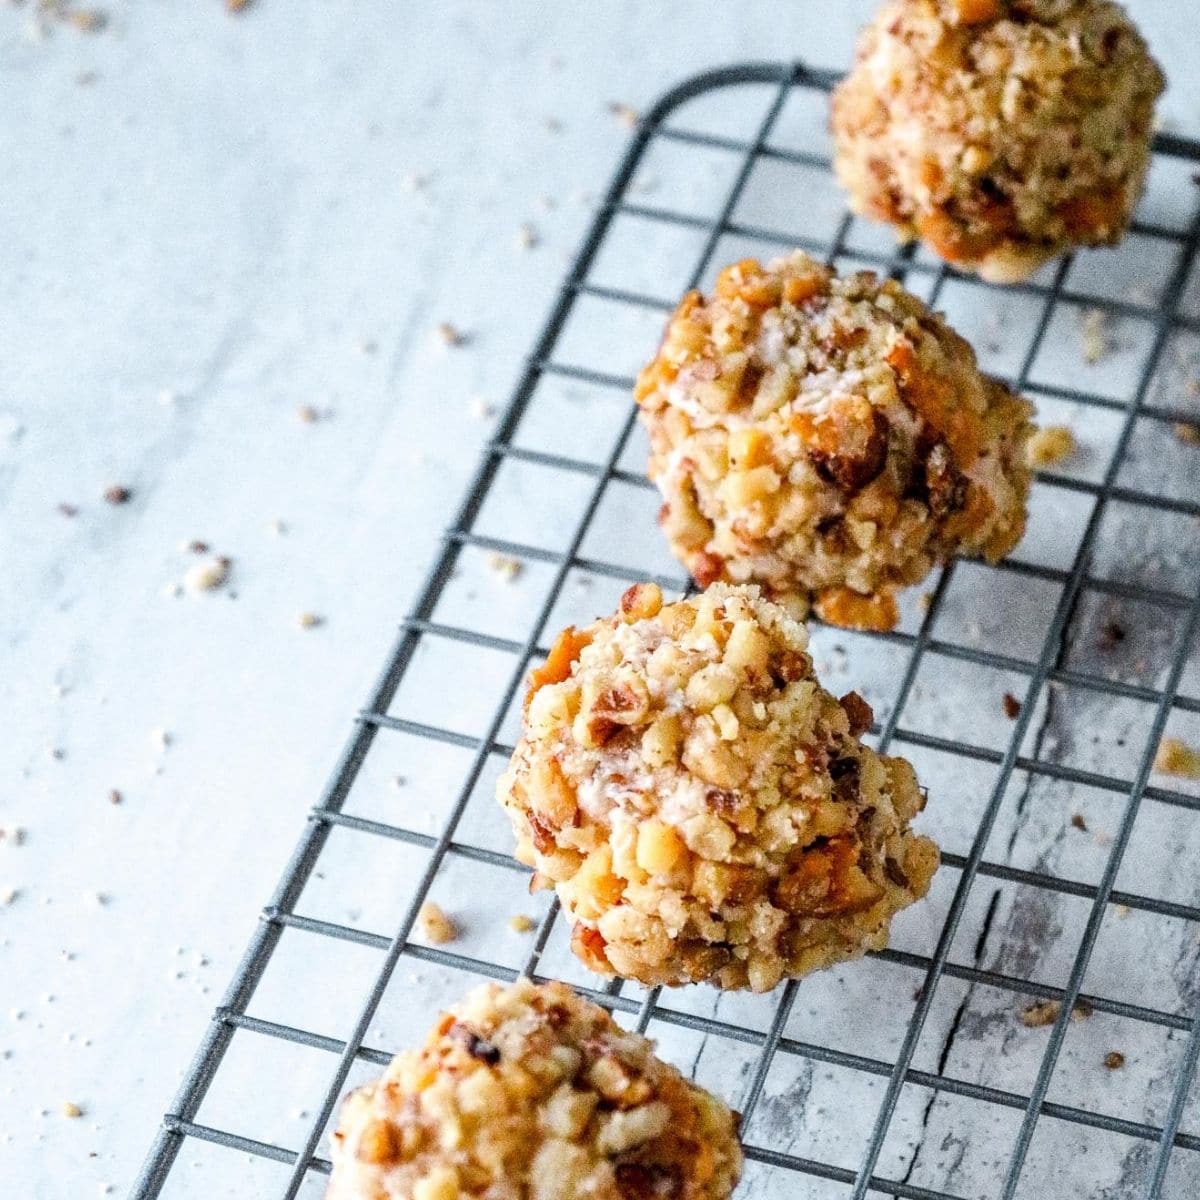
<point>531,1092</point>
<point>705,810</point>
<point>829,438</point>
<point>1001,132</point>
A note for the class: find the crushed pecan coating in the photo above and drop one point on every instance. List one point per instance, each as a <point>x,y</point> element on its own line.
<point>530,1092</point>
<point>1001,132</point>
<point>829,439</point>
<point>730,826</point>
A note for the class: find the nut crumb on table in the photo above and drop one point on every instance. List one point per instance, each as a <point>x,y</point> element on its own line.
<point>1187,431</point>
<point>208,575</point>
<point>450,335</point>
<point>309,620</point>
<point>531,1092</point>
<point>1045,1012</point>
<point>117,494</point>
<point>703,807</point>
<point>1114,1060</point>
<point>504,565</point>
<point>1011,706</point>
<point>520,923</point>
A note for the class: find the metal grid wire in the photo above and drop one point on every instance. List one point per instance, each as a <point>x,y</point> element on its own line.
<point>1162,1139</point>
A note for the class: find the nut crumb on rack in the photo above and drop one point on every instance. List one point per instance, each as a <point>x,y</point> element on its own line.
<point>1012,706</point>
<point>451,335</point>
<point>1187,431</point>
<point>1176,757</point>
<point>1114,1060</point>
<point>1095,333</point>
<point>1078,822</point>
<point>1045,1012</point>
<point>71,1110</point>
<point>1049,445</point>
<point>1122,910</point>
<point>209,575</point>
<point>520,923</point>
<point>117,494</point>
<point>504,565</point>
<point>307,415</point>
<point>435,925</point>
<point>309,620</point>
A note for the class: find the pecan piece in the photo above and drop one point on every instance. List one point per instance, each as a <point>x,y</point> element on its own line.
<point>826,881</point>
<point>648,1181</point>
<point>859,711</point>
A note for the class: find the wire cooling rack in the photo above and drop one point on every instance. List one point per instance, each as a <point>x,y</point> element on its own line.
<point>1034,1028</point>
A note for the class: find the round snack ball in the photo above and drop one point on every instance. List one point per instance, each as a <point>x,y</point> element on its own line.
<point>1002,132</point>
<point>828,438</point>
<point>530,1092</point>
<point>703,807</point>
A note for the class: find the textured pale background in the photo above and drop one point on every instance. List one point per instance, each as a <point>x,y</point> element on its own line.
<point>221,214</point>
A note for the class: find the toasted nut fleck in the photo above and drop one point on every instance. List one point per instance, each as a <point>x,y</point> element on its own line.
<point>209,575</point>
<point>436,926</point>
<point>1012,706</point>
<point>309,620</point>
<point>520,923</point>
<point>1096,343</point>
<point>507,567</point>
<point>88,20</point>
<point>1077,822</point>
<point>307,414</point>
<point>1049,445</point>
<point>71,1110</point>
<point>1187,431</point>
<point>117,494</point>
<point>625,113</point>
<point>1114,1060</point>
<point>1177,758</point>
<point>449,335</point>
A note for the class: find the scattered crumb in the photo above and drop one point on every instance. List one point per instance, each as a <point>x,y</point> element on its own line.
<point>527,237</point>
<point>926,601</point>
<point>237,6</point>
<point>161,739</point>
<point>8,895</point>
<point>307,414</point>
<point>1045,1012</point>
<point>435,924</point>
<point>277,526</point>
<point>625,113</point>
<point>57,753</point>
<point>1112,635</point>
<point>1187,431</point>
<point>117,494</point>
<point>451,335</point>
<point>1012,706</point>
<point>1096,342</point>
<point>1122,910</point>
<point>99,899</point>
<point>481,409</point>
<point>71,1110</point>
<point>209,575</point>
<point>1049,445</point>
<point>114,796</point>
<point>12,835</point>
<point>520,923</point>
<point>194,547</point>
<point>1177,758</point>
<point>1114,1060</point>
<point>88,20</point>
<point>507,567</point>
<point>68,510</point>
<point>1077,822</point>
<point>309,620</point>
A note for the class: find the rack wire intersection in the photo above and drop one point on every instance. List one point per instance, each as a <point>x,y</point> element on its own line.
<point>1069,888</point>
